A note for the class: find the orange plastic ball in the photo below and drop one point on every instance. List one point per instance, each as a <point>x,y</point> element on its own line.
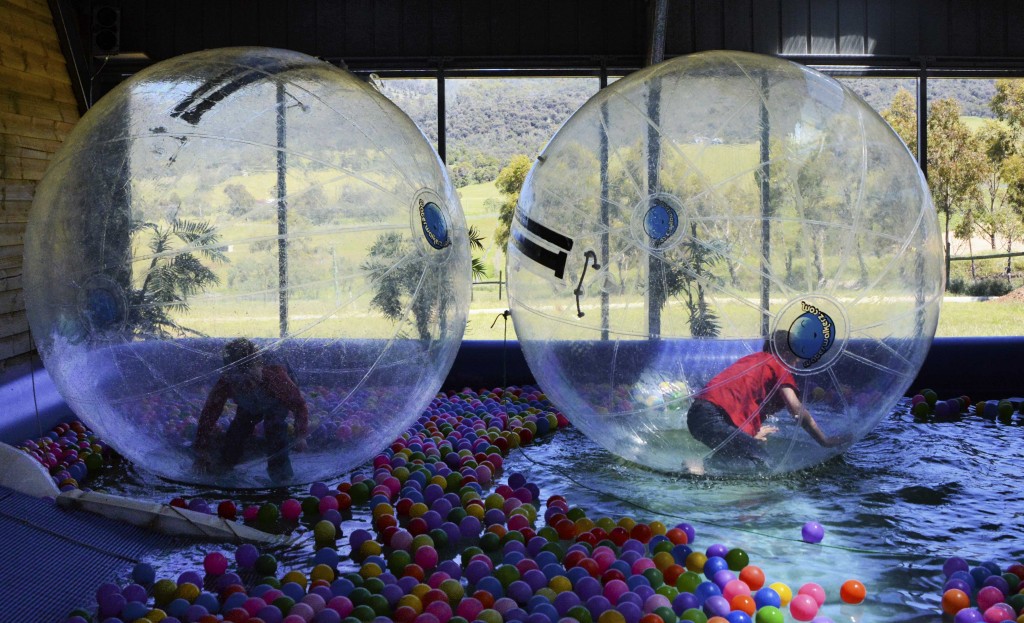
<point>744,603</point>
<point>852,592</point>
<point>752,576</point>
<point>954,600</point>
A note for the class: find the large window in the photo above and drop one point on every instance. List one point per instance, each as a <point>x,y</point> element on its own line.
<point>495,125</point>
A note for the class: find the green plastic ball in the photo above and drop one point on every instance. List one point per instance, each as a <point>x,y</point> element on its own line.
<point>266,564</point>
<point>736,558</point>
<point>768,614</point>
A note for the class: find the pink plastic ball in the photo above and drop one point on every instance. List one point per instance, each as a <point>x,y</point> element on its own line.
<point>615,589</point>
<point>815,591</point>
<point>215,563</point>
<point>641,564</point>
<point>733,588</point>
<point>328,503</point>
<point>291,509</point>
<point>998,613</point>
<point>426,557</point>
<point>803,607</point>
<point>469,608</point>
<point>989,596</point>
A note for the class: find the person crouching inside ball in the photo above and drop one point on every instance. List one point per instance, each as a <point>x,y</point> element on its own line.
<point>727,415</point>
<point>263,392</point>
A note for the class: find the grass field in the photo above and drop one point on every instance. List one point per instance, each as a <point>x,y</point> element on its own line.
<point>489,300</point>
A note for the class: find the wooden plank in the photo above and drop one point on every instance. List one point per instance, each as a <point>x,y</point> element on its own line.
<point>12,234</point>
<point>28,44</point>
<point>12,300</point>
<point>11,257</point>
<point>10,279</point>
<point>824,20</point>
<point>15,345</point>
<point>13,323</point>
<point>28,142</point>
<point>14,211</point>
<point>11,191</point>
<point>45,87</point>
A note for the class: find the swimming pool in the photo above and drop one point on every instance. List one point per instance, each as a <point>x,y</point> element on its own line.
<point>894,507</point>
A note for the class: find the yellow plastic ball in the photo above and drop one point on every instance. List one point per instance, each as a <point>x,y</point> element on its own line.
<point>420,590</point>
<point>187,591</point>
<point>369,548</point>
<point>611,616</point>
<point>370,570</point>
<point>412,601</point>
<point>785,593</point>
<point>295,576</point>
<point>322,572</point>
<point>560,584</point>
<point>695,562</point>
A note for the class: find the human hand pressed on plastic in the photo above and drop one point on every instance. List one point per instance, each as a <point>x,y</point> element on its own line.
<point>765,431</point>
<point>300,444</point>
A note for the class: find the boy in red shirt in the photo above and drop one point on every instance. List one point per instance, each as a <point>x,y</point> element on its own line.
<point>727,414</point>
<point>263,392</point>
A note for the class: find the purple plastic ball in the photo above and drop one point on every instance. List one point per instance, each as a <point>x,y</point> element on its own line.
<point>812,532</point>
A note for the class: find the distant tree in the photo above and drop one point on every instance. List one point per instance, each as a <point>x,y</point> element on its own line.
<point>1008,106</point>
<point>510,182</point>
<point>902,116</point>
<point>241,200</point>
<point>956,163</point>
<point>993,215</point>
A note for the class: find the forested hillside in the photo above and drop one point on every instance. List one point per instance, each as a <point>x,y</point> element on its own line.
<point>490,120</point>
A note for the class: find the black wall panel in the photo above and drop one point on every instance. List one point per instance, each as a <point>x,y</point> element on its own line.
<point>422,35</point>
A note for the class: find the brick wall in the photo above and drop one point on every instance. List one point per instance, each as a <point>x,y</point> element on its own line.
<point>37,110</point>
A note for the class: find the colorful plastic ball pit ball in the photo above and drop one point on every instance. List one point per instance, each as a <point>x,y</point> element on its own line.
<point>627,380</point>
<point>172,151</point>
<point>812,532</point>
<point>852,592</point>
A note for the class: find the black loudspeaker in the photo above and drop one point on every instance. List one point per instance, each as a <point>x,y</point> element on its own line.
<point>106,30</point>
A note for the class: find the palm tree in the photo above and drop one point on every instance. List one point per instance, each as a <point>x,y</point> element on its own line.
<point>172,276</point>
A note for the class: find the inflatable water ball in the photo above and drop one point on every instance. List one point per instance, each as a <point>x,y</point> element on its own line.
<point>246,267</point>
<point>710,208</point>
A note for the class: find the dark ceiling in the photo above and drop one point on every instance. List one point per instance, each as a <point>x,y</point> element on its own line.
<point>107,40</point>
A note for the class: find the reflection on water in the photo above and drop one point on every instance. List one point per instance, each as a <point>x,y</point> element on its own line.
<point>894,507</point>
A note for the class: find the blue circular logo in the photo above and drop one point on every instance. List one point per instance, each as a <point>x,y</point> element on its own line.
<point>435,225</point>
<point>812,334</point>
<point>660,222</point>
